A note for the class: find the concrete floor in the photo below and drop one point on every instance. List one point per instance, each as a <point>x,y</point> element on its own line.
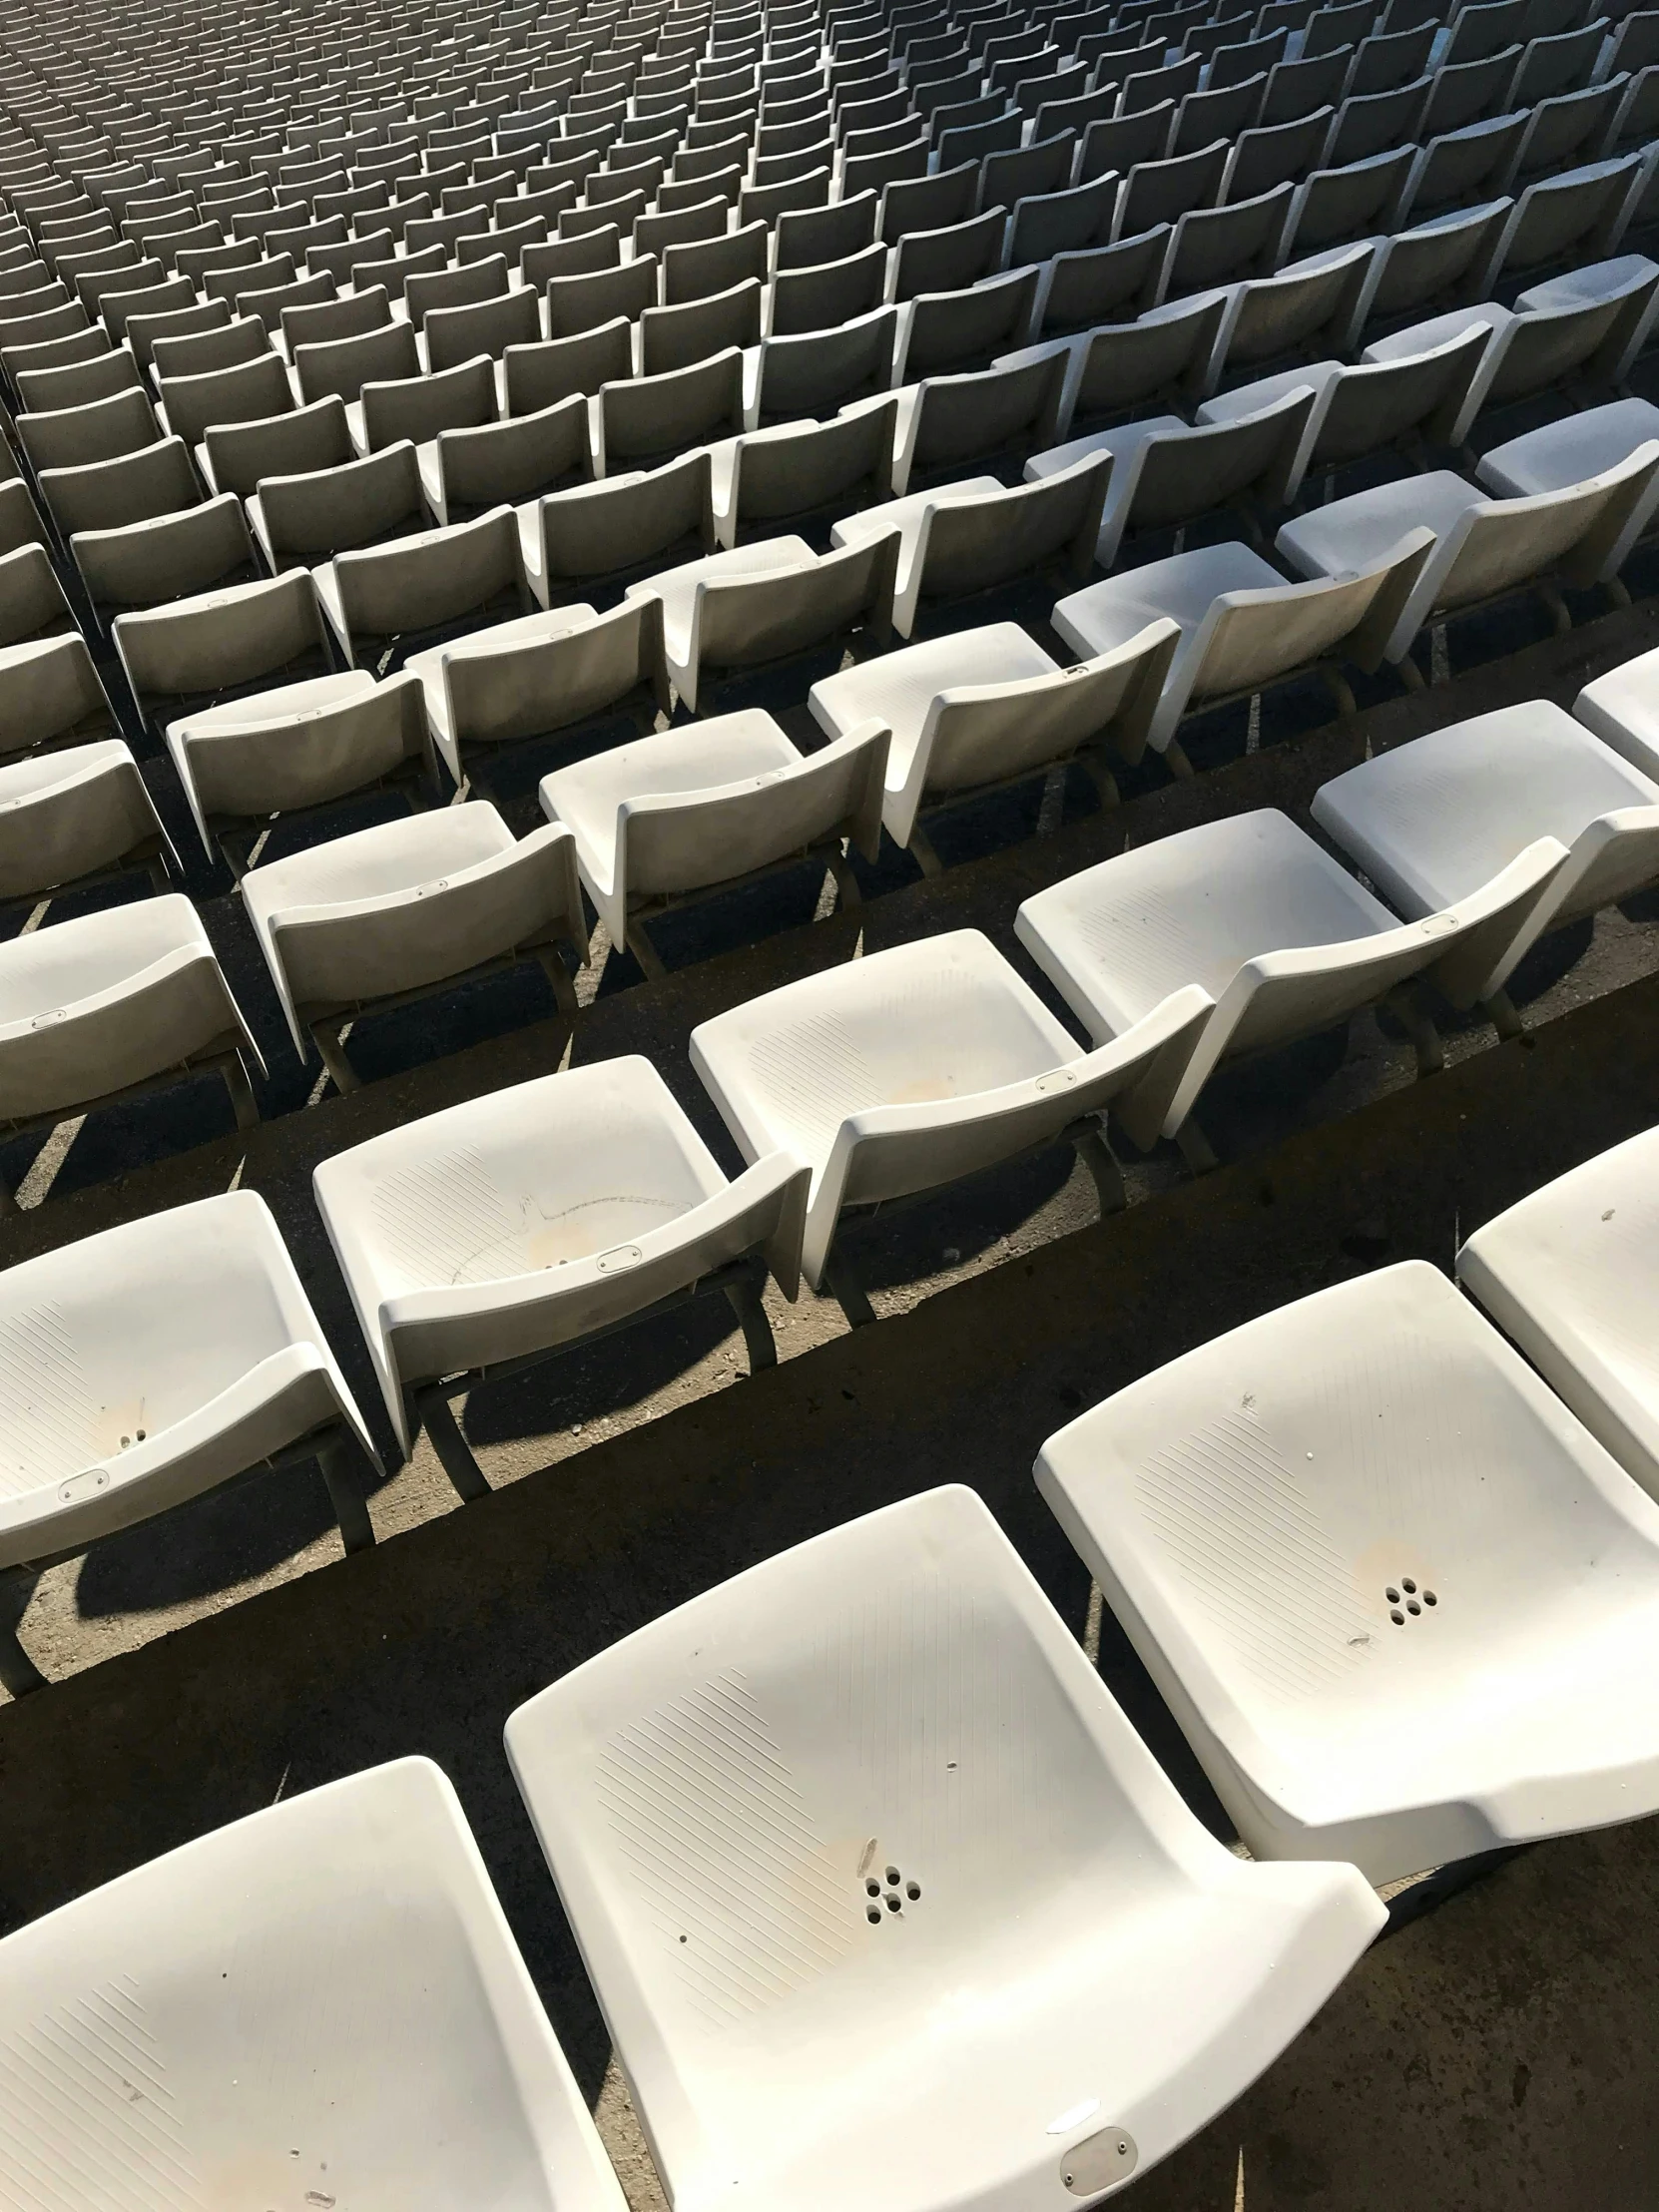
<point>1489,2053</point>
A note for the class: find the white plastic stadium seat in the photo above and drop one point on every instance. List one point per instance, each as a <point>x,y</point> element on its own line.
<point>1242,625</point>
<point>1487,547</point>
<point>111,1002</point>
<point>408,908</point>
<point>892,1732</point>
<point>1402,1604</point>
<point>1569,1276</point>
<point>1578,447</point>
<point>714,803</point>
<point>1282,940</point>
<point>77,813</point>
<point>987,706</point>
<point>148,1364</point>
<point>322,2001</point>
<point>500,1229</point>
<point>910,1069</point>
<point>1432,821</point>
<point>1622,707</point>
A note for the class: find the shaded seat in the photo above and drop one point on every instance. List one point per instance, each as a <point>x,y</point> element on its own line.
<point>433,582</point>
<point>465,471</point>
<point>945,423</point>
<point>608,528</point>
<point>959,539</point>
<point>390,914</point>
<point>110,1003</point>
<point>932,1597</point>
<point>75,814</point>
<point>791,469</point>
<point>295,747</point>
<point>165,558</point>
<point>544,673</point>
<point>1455,1655</point>
<point>1163,473</point>
<point>307,517</point>
<point>199,652</point>
<point>815,373</point>
<point>651,420</point>
<point>691,811</point>
<point>981,709</point>
<point>386,1966</point>
<point>588,1201</point>
<point>51,696</point>
<point>758,604</point>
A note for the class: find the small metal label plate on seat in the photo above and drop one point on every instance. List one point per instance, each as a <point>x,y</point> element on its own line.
<point>623,1256</point>
<point>42,1021</point>
<point>1059,1080</point>
<point>1098,2161</point>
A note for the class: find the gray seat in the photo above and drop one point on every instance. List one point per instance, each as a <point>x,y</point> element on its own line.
<point>1408,401</point>
<point>1432,264</point>
<point>963,539</point>
<point>1166,474</point>
<point>1066,221</point>
<point>652,418</point>
<point>623,523</point>
<point>344,366</point>
<point>51,698</point>
<point>799,468</point>
<point>420,408</point>
<point>1125,366</point>
<point>103,495</point>
<point>440,581</point>
<point>815,373</point>
<point>101,431</point>
<point>200,652</point>
<point>233,456</point>
<point>307,518</point>
<point>32,602</point>
<point>760,604</point>
<point>1452,171</point>
<point>1579,217</point>
<point>546,671</point>
<point>409,908</point>
<point>1280,154</point>
<point>946,332</point>
<point>1164,191</point>
<point>295,748</point>
<point>1103,283</point>
<point>822,298</point>
<point>1334,206</point>
<point>675,337</point>
<point>716,263</point>
<point>947,260</point>
<point>142,564</point>
<point>946,422</point>
<point>582,302</point>
<point>247,394</point>
<point>454,335</point>
<point>464,471</point>
<point>1219,246</point>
